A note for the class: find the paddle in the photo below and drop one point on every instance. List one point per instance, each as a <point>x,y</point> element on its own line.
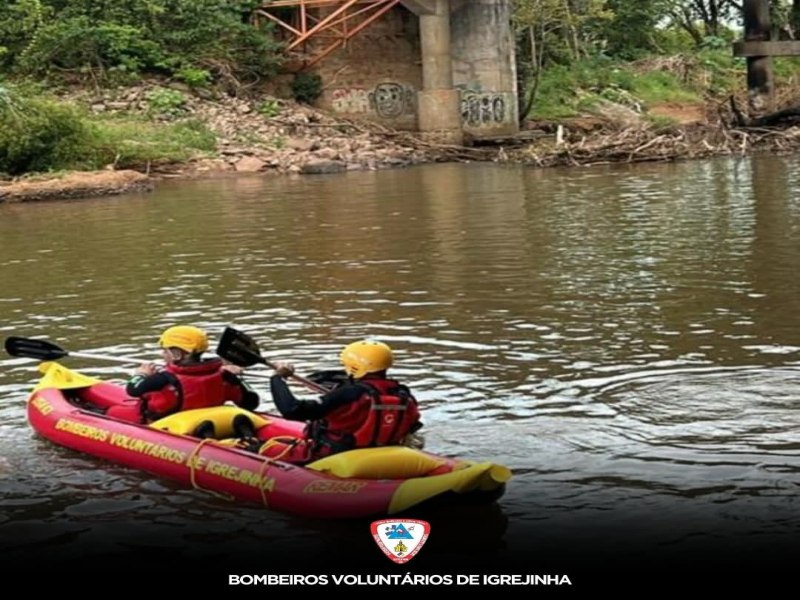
<point>44,350</point>
<point>239,348</point>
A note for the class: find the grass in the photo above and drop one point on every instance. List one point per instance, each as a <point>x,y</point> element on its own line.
<point>41,134</point>
<point>566,91</point>
<point>132,142</point>
<point>660,86</point>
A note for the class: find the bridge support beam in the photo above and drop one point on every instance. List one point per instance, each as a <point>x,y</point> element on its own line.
<point>438,104</point>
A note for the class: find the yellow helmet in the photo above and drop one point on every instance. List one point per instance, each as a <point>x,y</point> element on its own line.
<point>366,356</point>
<point>188,338</point>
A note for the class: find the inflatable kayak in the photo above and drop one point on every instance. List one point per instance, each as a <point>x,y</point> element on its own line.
<point>66,408</point>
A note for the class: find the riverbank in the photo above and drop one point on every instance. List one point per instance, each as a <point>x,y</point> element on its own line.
<point>74,185</point>
<point>261,134</point>
<point>272,136</point>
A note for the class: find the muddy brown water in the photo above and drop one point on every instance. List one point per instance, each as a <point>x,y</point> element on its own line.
<point>624,339</point>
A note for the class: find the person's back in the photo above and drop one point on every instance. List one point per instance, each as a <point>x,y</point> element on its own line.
<point>367,410</point>
<point>187,382</point>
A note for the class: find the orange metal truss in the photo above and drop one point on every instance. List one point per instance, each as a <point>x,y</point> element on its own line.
<point>343,20</point>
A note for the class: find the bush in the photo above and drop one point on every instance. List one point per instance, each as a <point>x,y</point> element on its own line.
<point>80,43</point>
<point>192,39</point>
<point>307,87</point>
<point>269,109</point>
<point>37,134</point>
<point>193,77</point>
<point>166,103</point>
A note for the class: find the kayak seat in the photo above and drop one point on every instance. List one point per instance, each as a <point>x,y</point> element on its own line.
<point>217,422</point>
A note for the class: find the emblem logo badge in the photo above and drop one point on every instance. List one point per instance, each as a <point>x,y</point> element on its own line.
<point>400,540</point>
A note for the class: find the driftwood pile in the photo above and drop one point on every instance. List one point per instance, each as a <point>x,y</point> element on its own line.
<point>728,135</point>
<point>648,145</point>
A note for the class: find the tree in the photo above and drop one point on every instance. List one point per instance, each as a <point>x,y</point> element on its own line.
<point>556,32</point>
<point>631,30</point>
<point>129,36</point>
<point>703,18</point>
<point>537,25</point>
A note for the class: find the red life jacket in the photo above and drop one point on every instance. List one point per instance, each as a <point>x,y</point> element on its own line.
<point>384,414</point>
<point>193,386</point>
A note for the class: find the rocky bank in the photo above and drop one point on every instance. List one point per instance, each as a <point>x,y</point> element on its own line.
<point>270,135</point>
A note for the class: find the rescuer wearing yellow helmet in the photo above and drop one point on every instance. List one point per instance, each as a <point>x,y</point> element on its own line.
<point>365,409</point>
<point>186,382</point>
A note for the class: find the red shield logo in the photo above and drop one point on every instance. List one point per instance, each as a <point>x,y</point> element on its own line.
<point>400,540</point>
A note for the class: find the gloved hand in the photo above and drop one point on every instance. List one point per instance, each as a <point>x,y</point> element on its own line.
<point>233,369</point>
<point>284,369</point>
<point>146,369</point>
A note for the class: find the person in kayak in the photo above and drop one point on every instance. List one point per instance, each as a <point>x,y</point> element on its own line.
<point>188,381</point>
<point>365,409</point>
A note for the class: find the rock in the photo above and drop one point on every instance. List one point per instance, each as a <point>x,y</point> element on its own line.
<point>204,94</point>
<point>321,167</point>
<point>396,162</point>
<point>234,151</point>
<point>181,87</point>
<point>117,105</point>
<point>327,154</point>
<point>249,164</point>
<point>302,144</point>
<point>211,165</point>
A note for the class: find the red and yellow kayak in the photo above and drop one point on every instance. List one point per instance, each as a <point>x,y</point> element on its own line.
<point>359,483</point>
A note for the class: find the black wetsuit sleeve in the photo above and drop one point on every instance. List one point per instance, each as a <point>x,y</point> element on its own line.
<point>142,384</point>
<point>310,410</point>
<point>248,399</point>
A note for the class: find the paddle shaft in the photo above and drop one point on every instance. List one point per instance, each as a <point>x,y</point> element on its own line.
<point>306,382</point>
<point>44,350</point>
<point>129,359</point>
<point>119,359</point>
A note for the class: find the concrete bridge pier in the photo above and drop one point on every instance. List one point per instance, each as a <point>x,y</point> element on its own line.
<point>445,68</point>
<point>438,103</point>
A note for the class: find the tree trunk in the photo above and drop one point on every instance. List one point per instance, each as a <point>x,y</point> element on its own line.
<point>573,32</point>
<point>537,59</point>
<point>794,19</point>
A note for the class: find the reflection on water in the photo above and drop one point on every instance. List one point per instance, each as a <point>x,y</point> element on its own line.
<point>624,338</point>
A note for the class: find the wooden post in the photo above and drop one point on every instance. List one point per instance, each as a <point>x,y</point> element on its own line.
<point>759,49</point>
<point>760,82</point>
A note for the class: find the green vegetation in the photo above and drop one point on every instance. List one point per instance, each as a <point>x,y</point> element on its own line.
<point>197,41</point>
<point>306,87</point>
<point>565,91</point>
<point>269,109</point>
<point>166,103</point>
<point>576,54</point>
<point>200,43</point>
<point>132,143</point>
<point>40,134</point>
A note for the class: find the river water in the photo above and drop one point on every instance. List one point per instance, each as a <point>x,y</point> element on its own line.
<point>624,339</point>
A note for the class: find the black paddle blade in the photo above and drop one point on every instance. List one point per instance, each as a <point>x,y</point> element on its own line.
<point>239,348</point>
<point>40,349</point>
